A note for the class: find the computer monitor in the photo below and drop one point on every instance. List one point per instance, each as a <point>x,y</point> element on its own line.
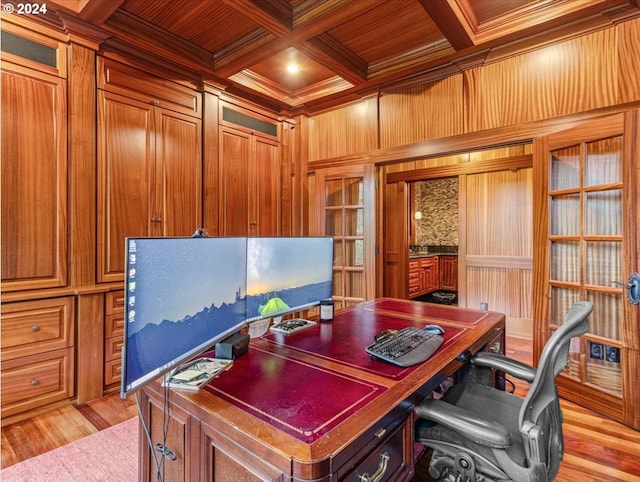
<point>286,275</point>
<point>182,296</point>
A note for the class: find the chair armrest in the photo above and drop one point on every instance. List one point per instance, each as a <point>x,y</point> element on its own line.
<point>500,362</point>
<point>476,428</point>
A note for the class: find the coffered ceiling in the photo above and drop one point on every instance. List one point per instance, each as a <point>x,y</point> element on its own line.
<point>343,49</point>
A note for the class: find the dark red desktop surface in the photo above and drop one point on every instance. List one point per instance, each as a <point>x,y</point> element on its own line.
<point>344,340</point>
<point>437,313</point>
<point>278,390</point>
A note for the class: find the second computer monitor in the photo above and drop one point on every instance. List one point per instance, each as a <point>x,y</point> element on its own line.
<point>285,275</point>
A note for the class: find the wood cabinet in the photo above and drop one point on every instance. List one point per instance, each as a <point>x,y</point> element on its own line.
<point>448,267</point>
<point>113,338</point>
<point>423,276</point>
<point>34,174</point>
<point>432,273</point>
<point>250,175</point>
<point>37,354</point>
<point>149,163</point>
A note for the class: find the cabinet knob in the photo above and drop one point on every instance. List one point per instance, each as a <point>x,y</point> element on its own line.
<point>35,328</point>
<point>156,220</point>
<point>35,383</point>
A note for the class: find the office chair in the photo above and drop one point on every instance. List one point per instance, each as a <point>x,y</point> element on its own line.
<point>480,433</point>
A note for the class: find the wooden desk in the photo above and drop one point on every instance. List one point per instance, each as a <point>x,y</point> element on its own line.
<point>313,405</point>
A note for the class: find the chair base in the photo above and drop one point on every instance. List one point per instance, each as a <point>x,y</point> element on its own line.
<point>461,468</point>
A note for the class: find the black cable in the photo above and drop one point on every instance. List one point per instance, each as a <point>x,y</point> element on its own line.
<point>145,427</point>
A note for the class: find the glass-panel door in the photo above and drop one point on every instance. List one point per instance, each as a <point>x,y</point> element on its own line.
<point>345,199</point>
<point>586,254</point>
<point>588,244</point>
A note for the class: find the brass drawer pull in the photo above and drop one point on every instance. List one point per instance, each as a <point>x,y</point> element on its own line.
<point>378,474</point>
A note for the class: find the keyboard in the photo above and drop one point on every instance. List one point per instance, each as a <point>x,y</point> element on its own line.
<point>405,347</point>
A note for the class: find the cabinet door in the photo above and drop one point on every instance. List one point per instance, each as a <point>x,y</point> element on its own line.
<point>34,179</point>
<point>126,166</point>
<point>430,279</point>
<point>265,206</point>
<point>176,197</point>
<point>448,272</point>
<point>235,150</point>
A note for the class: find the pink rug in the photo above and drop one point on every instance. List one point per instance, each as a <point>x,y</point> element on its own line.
<point>105,456</point>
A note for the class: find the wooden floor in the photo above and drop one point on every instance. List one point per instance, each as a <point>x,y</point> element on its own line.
<point>596,448</point>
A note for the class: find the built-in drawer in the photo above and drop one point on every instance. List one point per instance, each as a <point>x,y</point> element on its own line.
<point>114,336</point>
<point>30,327</point>
<point>114,302</point>
<point>36,380</point>
<point>112,371</point>
<point>113,348</point>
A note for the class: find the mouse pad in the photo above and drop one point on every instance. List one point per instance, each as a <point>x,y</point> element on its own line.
<point>345,339</point>
<point>277,390</point>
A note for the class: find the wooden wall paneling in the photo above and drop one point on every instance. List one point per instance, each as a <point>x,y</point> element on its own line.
<point>210,162</point>
<point>301,200</point>
<point>34,174</point>
<point>428,111</point>
<point>628,77</point>
<point>288,144</point>
<point>462,240</point>
<point>395,236</point>
<point>565,78</point>
<point>442,161</point>
<point>343,131</point>
<point>498,240</point>
<point>82,165</point>
<point>500,213</point>
<point>90,346</point>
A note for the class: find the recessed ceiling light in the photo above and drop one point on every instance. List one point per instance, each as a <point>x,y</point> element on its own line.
<point>293,68</point>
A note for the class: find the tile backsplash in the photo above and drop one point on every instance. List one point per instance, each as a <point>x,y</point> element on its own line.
<point>437,200</point>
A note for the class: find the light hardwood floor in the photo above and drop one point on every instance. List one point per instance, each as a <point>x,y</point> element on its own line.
<point>596,448</point>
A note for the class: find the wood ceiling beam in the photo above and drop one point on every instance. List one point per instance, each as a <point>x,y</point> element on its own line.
<point>333,55</point>
<point>93,12</point>
<point>451,22</point>
<point>310,20</point>
<point>275,16</point>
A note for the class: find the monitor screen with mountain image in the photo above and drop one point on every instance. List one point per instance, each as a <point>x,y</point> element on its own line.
<point>182,295</point>
<point>287,274</point>
<point>185,294</point>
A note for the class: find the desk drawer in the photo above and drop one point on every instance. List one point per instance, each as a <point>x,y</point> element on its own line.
<point>391,460</point>
<point>36,380</point>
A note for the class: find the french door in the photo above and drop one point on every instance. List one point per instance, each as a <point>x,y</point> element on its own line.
<point>345,200</point>
<point>587,248</point>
